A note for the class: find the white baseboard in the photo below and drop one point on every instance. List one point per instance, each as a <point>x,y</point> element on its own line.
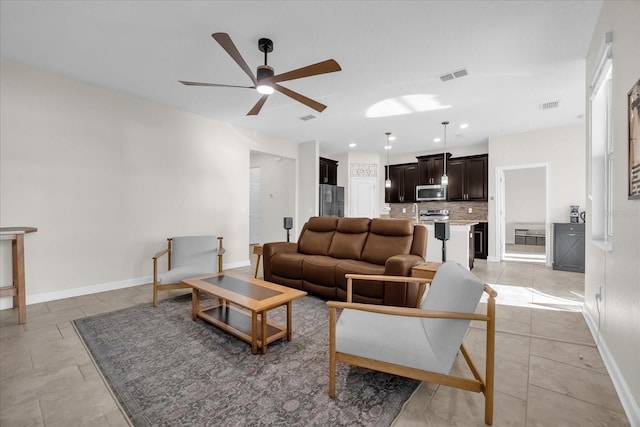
<point>631,408</point>
<point>493,259</point>
<point>7,302</point>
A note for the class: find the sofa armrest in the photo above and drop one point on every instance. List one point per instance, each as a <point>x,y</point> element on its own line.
<point>410,294</point>
<point>270,249</point>
<point>400,265</point>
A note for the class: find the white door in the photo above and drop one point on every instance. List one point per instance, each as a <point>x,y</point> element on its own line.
<point>254,206</point>
<point>363,197</point>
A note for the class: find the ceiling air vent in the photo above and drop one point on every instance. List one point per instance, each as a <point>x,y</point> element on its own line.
<point>454,75</point>
<point>549,105</point>
<point>307,117</point>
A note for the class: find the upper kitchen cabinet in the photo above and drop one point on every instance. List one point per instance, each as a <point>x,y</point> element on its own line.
<point>430,169</point>
<point>468,178</point>
<point>328,171</point>
<point>404,179</point>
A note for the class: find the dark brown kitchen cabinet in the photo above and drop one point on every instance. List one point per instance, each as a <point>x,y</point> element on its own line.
<point>328,171</point>
<point>430,169</point>
<point>468,178</point>
<point>480,241</point>
<point>404,179</point>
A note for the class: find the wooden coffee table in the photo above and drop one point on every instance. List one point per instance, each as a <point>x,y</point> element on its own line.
<point>255,296</point>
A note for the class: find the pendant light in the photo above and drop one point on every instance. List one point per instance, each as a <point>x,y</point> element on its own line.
<point>387,182</point>
<point>445,179</point>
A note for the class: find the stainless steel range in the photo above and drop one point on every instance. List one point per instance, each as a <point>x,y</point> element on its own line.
<point>434,214</point>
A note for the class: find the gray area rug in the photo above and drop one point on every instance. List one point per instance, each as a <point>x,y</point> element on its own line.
<point>167,370</point>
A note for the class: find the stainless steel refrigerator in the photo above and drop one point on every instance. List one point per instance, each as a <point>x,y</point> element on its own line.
<point>331,200</point>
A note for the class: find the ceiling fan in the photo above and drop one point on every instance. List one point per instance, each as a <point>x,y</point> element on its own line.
<point>265,82</point>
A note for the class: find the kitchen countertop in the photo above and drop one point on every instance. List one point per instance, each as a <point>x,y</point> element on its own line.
<point>452,222</point>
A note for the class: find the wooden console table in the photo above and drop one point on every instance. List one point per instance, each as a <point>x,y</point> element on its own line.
<point>17,289</point>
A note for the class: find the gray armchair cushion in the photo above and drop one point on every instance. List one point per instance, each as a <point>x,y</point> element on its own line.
<point>191,256</point>
<point>453,289</point>
<point>427,344</point>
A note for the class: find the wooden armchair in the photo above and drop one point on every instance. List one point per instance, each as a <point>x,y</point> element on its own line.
<point>187,256</point>
<point>419,343</point>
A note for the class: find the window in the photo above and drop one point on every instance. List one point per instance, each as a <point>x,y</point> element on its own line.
<point>601,148</point>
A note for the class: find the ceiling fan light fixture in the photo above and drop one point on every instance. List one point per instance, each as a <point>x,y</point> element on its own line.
<point>265,89</point>
<point>264,75</point>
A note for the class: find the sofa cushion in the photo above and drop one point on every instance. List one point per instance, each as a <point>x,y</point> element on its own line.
<point>348,241</point>
<point>316,237</point>
<point>320,270</point>
<point>367,288</point>
<point>287,264</point>
<point>387,237</point>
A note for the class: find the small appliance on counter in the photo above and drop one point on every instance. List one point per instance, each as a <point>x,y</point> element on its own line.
<point>434,214</point>
<point>574,214</point>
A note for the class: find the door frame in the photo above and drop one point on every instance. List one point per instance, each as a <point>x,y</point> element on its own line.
<point>500,235</point>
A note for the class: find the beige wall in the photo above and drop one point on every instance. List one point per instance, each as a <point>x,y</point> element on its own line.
<point>561,149</point>
<point>615,320</point>
<point>107,177</point>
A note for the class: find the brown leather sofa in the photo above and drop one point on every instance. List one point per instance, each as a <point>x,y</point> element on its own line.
<point>330,247</point>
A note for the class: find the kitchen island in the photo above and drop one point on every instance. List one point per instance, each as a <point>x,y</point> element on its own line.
<point>459,247</point>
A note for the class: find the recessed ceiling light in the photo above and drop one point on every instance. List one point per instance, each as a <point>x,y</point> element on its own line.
<point>437,139</point>
<point>392,138</point>
<point>352,145</point>
<point>387,147</point>
<point>464,125</point>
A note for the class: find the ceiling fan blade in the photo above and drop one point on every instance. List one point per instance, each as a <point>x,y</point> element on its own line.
<point>301,98</point>
<point>225,41</point>
<point>212,84</point>
<point>256,108</point>
<point>328,66</point>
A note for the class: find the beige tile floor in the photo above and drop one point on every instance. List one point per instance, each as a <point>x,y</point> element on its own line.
<point>548,370</point>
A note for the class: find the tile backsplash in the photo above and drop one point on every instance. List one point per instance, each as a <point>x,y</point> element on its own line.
<point>457,210</point>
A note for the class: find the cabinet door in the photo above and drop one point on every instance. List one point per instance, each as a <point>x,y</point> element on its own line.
<point>430,170</point>
<point>437,169</point>
<point>328,171</point>
<point>424,172</point>
<point>332,174</point>
<point>476,179</point>
<point>409,183</point>
<point>456,174</point>
<point>393,194</point>
<point>324,172</point>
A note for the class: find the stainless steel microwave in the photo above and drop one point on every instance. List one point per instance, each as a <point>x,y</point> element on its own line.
<point>425,193</point>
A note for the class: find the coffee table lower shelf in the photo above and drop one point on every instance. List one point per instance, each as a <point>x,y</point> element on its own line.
<point>238,323</point>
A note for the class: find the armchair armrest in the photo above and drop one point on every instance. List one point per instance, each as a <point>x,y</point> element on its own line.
<point>161,253</point>
<point>406,311</point>
<point>400,265</point>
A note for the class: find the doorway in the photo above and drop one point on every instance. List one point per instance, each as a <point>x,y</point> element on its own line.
<point>272,196</point>
<point>524,226</point>
<point>363,197</point>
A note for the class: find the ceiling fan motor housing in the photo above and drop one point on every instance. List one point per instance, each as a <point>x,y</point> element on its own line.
<point>264,72</point>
